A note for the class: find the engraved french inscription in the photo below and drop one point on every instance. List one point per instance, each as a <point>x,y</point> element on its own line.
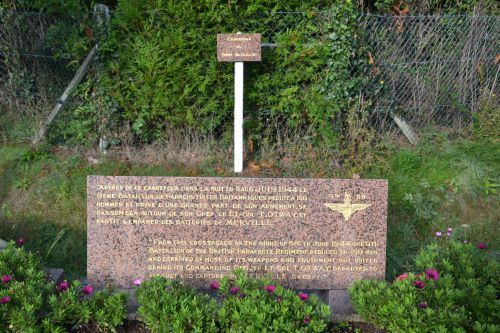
<point>238,47</point>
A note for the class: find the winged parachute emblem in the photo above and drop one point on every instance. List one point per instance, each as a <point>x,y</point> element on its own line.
<point>347,208</point>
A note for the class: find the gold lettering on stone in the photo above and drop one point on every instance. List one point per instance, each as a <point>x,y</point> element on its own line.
<point>198,231</point>
<point>347,208</point>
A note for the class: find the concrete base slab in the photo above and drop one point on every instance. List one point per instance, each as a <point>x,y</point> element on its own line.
<point>340,303</point>
<point>55,275</point>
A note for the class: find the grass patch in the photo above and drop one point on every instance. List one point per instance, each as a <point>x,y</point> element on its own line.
<point>436,186</point>
<point>43,198</point>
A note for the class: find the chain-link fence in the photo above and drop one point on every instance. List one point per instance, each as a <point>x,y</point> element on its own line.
<point>423,70</point>
<point>32,72</point>
<point>429,70</point>
<point>36,64</point>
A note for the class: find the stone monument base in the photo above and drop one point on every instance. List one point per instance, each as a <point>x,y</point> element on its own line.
<point>339,302</point>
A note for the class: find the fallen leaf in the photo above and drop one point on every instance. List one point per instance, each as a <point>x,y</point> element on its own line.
<point>267,165</point>
<point>250,145</point>
<point>220,170</point>
<point>371,61</point>
<point>253,166</point>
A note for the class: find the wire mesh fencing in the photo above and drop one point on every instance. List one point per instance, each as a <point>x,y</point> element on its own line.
<point>36,65</point>
<point>33,68</point>
<point>270,25</point>
<point>429,70</point>
<point>421,71</point>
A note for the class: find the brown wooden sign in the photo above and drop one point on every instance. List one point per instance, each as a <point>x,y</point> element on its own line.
<point>238,47</point>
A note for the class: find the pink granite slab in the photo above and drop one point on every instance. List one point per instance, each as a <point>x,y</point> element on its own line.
<point>307,233</point>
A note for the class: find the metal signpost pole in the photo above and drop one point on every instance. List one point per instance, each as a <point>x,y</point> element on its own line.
<point>238,48</point>
<point>238,116</point>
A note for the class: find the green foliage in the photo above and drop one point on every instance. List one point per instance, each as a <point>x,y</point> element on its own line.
<point>80,127</point>
<point>305,83</point>
<point>49,6</point>
<point>171,306</point>
<point>104,310</point>
<point>69,37</point>
<point>248,307</point>
<point>22,184</point>
<point>358,147</point>
<point>94,117</point>
<point>165,77</point>
<point>474,272</point>
<point>438,184</point>
<point>32,155</point>
<point>435,6</point>
<point>27,289</point>
<point>342,327</point>
<point>463,298</point>
<point>35,305</point>
<point>486,125</point>
<point>109,309</point>
<point>35,153</point>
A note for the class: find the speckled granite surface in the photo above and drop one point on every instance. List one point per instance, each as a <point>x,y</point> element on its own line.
<point>238,47</point>
<point>308,233</point>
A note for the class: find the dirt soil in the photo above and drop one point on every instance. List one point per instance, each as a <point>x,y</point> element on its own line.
<point>138,327</point>
<point>367,328</point>
<point>128,327</point>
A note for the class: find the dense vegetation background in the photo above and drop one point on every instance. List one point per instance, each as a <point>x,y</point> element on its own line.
<point>157,78</point>
<point>163,102</point>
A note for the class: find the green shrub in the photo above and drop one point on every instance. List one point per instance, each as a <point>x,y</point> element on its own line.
<point>171,306</point>
<point>23,296</point>
<point>29,303</point>
<point>104,310</point>
<point>456,291</point>
<point>306,82</point>
<point>246,305</point>
<point>165,77</point>
<point>260,305</point>
<point>486,125</point>
<point>108,309</point>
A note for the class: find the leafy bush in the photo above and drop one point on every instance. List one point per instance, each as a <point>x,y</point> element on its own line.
<point>456,291</point>
<point>28,303</point>
<point>22,291</point>
<point>165,77</point>
<point>435,6</point>
<point>259,305</point>
<point>247,305</point>
<point>104,310</point>
<point>305,83</point>
<point>171,306</point>
<point>486,125</point>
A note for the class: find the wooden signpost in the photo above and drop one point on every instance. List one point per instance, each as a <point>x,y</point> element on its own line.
<point>238,48</point>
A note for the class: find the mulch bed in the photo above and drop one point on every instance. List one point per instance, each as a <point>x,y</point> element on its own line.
<point>367,328</point>
<point>128,327</point>
<point>138,327</point>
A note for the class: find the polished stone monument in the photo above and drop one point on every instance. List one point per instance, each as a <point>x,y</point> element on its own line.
<point>319,234</point>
